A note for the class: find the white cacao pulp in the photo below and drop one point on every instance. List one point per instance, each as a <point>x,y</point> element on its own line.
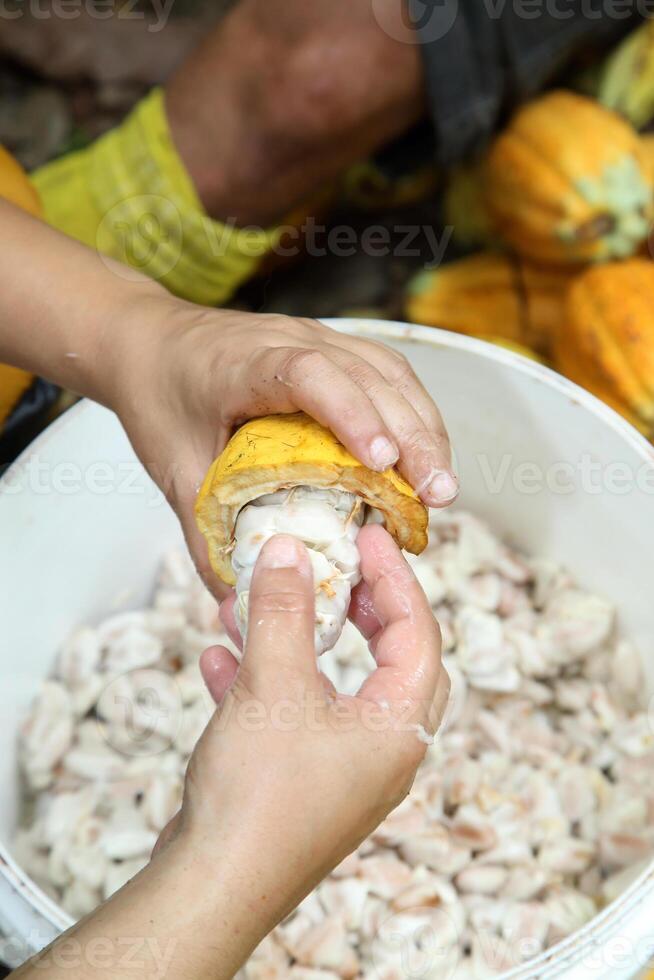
<point>328,522</point>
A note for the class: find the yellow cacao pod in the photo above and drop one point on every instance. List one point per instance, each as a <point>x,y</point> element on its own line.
<point>491,295</point>
<point>647,144</point>
<point>15,187</point>
<point>606,342</point>
<point>567,182</point>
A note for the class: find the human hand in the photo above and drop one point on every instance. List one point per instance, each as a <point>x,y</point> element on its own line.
<point>190,375</point>
<point>290,776</point>
<point>286,780</point>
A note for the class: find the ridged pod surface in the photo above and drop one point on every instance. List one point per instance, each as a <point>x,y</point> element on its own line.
<point>567,182</point>
<point>491,295</point>
<point>607,341</point>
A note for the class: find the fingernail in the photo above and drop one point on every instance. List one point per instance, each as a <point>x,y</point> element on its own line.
<point>282,551</point>
<point>383,453</point>
<point>442,488</point>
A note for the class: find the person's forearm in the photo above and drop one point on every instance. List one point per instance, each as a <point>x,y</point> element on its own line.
<point>284,95</point>
<point>186,916</point>
<point>64,309</point>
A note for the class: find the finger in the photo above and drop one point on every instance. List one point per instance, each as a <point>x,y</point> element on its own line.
<point>407,647</point>
<point>218,667</point>
<point>228,619</point>
<point>328,687</point>
<point>169,832</point>
<point>280,650</point>
<point>397,370</point>
<point>440,702</point>
<point>219,689</point>
<point>362,612</point>
<point>424,455</point>
<point>306,379</point>
<point>399,373</point>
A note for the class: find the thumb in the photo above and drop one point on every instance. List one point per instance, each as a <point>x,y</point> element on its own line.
<point>169,833</point>
<point>280,650</point>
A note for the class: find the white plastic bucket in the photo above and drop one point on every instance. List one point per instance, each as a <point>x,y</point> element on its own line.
<point>83,528</point>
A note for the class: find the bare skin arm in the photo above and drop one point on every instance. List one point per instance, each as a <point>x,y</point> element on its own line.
<point>284,95</point>
<point>180,376</point>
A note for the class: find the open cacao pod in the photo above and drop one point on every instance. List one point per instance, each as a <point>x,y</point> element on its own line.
<point>287,474</point>
<point>567,182</point>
